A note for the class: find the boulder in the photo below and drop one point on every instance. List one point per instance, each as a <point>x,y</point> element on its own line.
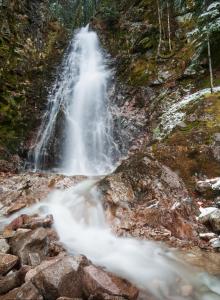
<point>4,246</point>
<point>207,236</point>
<point>209,188</point>
<point>215,243</point>
<point>143,197</point>
<point>30,222</point>
<point>36,221</point>
<point>205,214</point>
<point>57,277</point>
<point>15,207</point>
<point>214,220</point>
<point>7,262</point>
<point>10,295</point>
<point>35,241</point>
<point>28,292</point>
<point>99,284</point>
<point>12,280</point>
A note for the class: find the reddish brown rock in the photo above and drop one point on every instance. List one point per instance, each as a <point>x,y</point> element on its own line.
<point>29,222</point>
<point>28,292</point>
<point>10,295</point>
<point>4,246</point>
<point>15,207</point>
<point>35,241</point>
<point>12,280</point>
<point>99,283</point>
<point>60,276</point>
<point>153,202</point>
<point>29,188</point>
<point>7,262</point>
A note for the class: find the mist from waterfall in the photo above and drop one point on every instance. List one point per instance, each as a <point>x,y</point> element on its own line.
<point>80,96</point>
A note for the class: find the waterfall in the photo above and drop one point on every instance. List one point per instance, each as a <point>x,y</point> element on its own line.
<point>79,97</point>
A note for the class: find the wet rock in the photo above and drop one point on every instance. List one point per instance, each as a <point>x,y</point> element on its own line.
<point>12,280</point>
<point>4,246</point>
<point>6,166</point>
<point>217,202</point>
<point>16,223</point>
<point>215,243</point>
<point>216,137</point>
<point>216,152</point>
<point>56,248</point>
<point>25,189</point>
<point>34,259</point>
<point>15,207</point>
<point>35,222</point>
<point>152,200</point>
<point>54,278</point>
<point>208,187</point>
<point>205,214</point>
<point>214,220</point>
<point>7,262</point>
<point>35,241</point>
<point>30,222</point>
<point>99,283</point>
<point>207,236</point>
<point>28,292</point>
<point>10,295</point>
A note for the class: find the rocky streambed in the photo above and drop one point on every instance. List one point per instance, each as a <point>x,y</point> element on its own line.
<point>151,203</point>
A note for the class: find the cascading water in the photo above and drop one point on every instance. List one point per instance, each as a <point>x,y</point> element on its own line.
<point>81,95</point>
<point>78,214</point>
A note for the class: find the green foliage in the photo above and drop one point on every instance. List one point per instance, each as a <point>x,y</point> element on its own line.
<point>110,15</point>
<point>64,11</point>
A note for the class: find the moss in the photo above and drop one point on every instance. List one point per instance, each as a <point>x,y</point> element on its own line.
<point>188,150</point>
<point>31,45</point>
<point>141,71</point>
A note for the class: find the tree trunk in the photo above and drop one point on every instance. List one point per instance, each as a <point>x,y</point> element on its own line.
<point>168,25</point>
<point>210,64</point>
<point>160,27</point>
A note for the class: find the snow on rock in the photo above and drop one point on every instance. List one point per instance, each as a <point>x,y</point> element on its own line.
<point>204,185</point>
<point>175,114</point>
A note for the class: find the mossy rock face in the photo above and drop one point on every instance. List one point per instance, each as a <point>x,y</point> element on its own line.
<point>191,149</point>
<point>33,37</point>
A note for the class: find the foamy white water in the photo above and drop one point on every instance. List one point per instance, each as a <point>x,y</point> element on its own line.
<point>80,222</point>
<point>81,94</point>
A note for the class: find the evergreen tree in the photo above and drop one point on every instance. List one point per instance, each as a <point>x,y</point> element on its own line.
<point>209,26</point>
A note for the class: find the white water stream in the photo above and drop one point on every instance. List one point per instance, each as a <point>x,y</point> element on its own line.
<point>78,213</point>
<point>81,94</point>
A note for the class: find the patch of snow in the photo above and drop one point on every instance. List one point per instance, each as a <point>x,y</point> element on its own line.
<point>175,205</point>
<point>205,214</point>
<point>173,116</point>
<point>206,211</point>
<point>214,5</point>
<point>213,183</point>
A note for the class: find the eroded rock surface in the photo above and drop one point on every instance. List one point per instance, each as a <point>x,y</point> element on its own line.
<point>99,283</point>
<point>147,199</point>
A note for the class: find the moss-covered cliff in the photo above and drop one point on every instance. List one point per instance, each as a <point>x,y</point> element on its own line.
<point>161,56</point>
<point>33,37</point>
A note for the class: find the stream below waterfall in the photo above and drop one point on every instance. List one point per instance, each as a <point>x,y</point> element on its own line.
<point>89,149</point>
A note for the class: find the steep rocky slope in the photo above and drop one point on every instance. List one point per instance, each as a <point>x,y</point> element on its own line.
<point>151,90</point>
<point>167,114</point>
